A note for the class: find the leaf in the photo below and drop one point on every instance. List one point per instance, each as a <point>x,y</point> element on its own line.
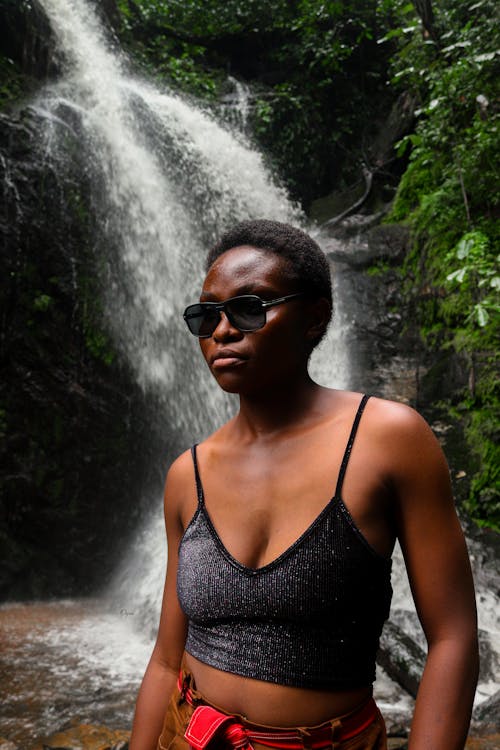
<point>464,247</point>
<point>481,315</point>
<point>495,283</point>
<point>486,56</point>
<point>458,275</point>
<point>457,45</point>
<point>390,35</point>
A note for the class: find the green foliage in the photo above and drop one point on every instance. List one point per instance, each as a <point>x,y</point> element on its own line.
<point>484,500</point>
<point>159,36</point>
<point>12,82</point>
<point>477,279</point>
<point>97,342</point>
<point>449,195</point>
<point>42,302</point>
<point>99,345</point>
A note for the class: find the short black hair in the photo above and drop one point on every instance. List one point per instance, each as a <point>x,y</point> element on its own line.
<point>306,261</point>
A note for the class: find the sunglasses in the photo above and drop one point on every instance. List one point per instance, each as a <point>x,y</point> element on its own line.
<point>246,313</point>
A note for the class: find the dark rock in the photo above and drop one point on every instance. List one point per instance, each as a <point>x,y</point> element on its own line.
<point>26,38</point>
<point>110,12</point>
<point>397,724</point>
<point>382,349</point>
<point>401,658</point>
<point>71,412</point>
<point>446,374</point>
<point>27,41</point>
<point>488,657</point>
<point>360,248</point>
<point>395,126</point>
<point>486,716</point>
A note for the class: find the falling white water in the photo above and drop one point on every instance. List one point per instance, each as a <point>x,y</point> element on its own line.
<point>167,178</point>
<point>236,104</point>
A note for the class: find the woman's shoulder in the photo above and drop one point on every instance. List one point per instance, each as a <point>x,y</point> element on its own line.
<point>393,429</point>
<point>180,475</point>
<point>396,420</point>
<point>378,412</point>
<point>395,414</point>
<point>403,440</point>
<point>182,470</point>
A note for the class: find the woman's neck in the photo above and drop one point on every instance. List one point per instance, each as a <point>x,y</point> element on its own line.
<point>278,410</point>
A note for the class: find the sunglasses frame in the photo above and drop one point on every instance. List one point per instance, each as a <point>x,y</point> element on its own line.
<point>222,307</point>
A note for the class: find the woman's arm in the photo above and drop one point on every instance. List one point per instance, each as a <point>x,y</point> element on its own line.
<point>440,577</point>
<point>163,668</point>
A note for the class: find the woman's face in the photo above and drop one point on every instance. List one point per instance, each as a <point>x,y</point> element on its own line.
<point>249,362</point>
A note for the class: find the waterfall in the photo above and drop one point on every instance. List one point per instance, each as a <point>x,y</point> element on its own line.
<point>166,179</point>
<point>169,180</point>
<point>236,104</point>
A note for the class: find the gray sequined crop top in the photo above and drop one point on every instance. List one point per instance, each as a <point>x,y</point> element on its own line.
<point>310,618</point>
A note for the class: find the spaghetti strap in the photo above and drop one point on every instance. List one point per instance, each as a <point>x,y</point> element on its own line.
<point>345,460</point>
<point>199,487</point>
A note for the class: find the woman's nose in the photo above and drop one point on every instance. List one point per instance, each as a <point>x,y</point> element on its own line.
<point>225,329</point>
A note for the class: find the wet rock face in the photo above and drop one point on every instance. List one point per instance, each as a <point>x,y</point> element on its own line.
<point>401,657</point>
<point>387,355</point>
<point>486,717</point>
<point>360,241</point>
<point>26,38</point>
<point>71,415</point>
<point>383,351</point>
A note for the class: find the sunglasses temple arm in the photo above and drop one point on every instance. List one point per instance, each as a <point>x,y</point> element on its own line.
<point>278,301</point>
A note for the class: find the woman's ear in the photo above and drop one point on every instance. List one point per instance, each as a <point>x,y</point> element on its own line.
<point>319,316</point>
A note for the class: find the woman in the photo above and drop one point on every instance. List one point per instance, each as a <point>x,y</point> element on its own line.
<point>275,593</point>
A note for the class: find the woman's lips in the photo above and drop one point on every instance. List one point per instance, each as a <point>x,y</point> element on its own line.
<point>227,359</point>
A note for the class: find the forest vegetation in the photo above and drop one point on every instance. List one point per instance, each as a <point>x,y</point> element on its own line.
<point>323,80</point>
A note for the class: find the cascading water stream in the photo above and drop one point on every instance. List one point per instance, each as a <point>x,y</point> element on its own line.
<point>166,179</point>
<point>169,179</point>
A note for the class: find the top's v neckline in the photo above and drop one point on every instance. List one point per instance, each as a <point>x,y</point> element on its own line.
<point>283,555</point>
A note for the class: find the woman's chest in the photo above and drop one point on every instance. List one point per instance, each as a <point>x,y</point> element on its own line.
<point>327,568</point>
<point>260,513</point>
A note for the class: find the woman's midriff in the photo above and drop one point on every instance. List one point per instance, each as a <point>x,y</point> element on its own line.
<point>270,704</point>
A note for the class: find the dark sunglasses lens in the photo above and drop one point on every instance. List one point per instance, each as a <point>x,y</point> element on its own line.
<point>202,321</point>
<point>209,321</point>
<point>247,314</point>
